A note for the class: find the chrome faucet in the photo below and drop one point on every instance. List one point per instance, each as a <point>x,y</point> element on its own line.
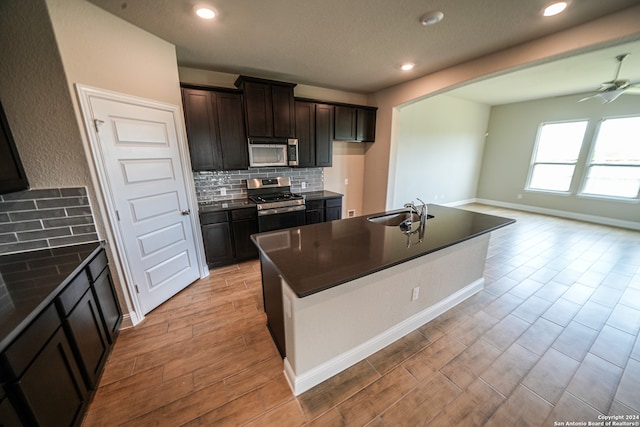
<point>407,224</point>
<point>421,211</point>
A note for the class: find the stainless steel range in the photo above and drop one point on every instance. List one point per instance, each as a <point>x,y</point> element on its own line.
<point>277,206</point>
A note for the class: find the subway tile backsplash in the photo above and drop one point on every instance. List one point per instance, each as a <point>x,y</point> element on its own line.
<point>45,218</point>
<point>210,186</point>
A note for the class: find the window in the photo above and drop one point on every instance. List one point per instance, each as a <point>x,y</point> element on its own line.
<point>614,168</point>
<point>556,154</point>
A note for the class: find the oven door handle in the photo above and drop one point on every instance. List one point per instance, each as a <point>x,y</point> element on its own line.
<point>276,211</point>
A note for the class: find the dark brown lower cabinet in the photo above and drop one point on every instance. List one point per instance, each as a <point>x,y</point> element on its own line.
<point>111,315</point>
<point>53,387</point>
<point>8,413</point>
<point>86,332</point>
<point>51,369</point>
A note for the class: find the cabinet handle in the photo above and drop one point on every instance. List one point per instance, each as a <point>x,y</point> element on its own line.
<point>186,212</point>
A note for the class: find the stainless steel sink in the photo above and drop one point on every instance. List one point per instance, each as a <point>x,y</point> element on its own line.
<point>396,218</point>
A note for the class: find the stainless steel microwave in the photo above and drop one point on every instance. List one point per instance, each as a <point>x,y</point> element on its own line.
<point>270,152</point>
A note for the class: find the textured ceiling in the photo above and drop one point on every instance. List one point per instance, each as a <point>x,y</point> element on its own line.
<point>352,45</point>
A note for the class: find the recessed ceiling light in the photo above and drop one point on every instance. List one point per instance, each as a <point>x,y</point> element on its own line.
<point>205,12</point>
<point>431,18</point>
<point>408,66</point>
<point>554,8</point>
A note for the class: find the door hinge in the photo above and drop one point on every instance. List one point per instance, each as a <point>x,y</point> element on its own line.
<point>137,290</point>
<point>97,123</point>
<point>118,215</point>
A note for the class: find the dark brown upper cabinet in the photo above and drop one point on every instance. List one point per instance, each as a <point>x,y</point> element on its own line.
<point>314,130</point>
<point>215,128</point>
<point>12,176</point>
<point>354,123</point>
<point>269,107</point>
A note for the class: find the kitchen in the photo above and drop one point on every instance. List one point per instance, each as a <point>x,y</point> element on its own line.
<point>49,88</point>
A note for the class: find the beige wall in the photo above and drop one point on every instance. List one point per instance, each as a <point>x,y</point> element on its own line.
<point>439,151</point>
<point>609,30</point>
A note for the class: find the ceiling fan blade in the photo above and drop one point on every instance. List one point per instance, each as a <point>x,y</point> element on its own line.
<point>606,96</point>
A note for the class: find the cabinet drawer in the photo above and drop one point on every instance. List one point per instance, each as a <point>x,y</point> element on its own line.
<point>25,348</point>
<point>70,296</point>
<point>315,204</point>
<point>332,203</point>
<point>97,265</point>
<point>213,217</point>
<point>249,213</point>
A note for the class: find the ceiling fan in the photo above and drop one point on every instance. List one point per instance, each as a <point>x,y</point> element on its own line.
<point>610,91</point>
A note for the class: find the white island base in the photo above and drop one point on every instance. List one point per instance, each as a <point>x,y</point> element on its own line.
<point>331,330</point>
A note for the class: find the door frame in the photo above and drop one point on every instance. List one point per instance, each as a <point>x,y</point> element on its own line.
<point>104,194</point>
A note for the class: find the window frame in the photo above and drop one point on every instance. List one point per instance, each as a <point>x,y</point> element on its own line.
<point>588,163</point>
<point>575,165</point>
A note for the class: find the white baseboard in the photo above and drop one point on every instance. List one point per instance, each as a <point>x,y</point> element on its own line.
<point>563,214</point>
<point>306,380</point>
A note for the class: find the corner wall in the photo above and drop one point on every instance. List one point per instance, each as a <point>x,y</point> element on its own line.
<point>439,151</point>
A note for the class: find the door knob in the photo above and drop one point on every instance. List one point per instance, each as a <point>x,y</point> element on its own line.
<point>186,212</point>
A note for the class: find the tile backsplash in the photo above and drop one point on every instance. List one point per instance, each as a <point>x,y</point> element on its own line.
<point>45,218</point>
<point>211,186</point>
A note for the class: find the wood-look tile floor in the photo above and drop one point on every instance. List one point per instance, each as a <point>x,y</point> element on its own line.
<point>553,337</point>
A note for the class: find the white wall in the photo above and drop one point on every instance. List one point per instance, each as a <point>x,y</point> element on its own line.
<point>379,172</point>
<point>509,146</point>
<point>439,150</point>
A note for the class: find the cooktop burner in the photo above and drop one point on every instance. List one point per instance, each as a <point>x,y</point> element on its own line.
<point>275,197</point>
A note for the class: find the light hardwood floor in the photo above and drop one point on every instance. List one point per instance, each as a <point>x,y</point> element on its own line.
<point>553,337</point>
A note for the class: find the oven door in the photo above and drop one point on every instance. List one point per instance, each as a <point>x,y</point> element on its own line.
<point>279,218</point>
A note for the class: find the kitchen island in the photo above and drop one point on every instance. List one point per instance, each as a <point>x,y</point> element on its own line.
<point>336,292</point>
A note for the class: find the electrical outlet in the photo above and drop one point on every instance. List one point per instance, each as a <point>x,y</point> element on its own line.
<point>416,293</point>
<point>303,185</point>
<point>223,191</point>
<point>346,181</point>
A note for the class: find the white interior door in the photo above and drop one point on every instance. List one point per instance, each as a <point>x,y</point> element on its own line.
<point>146,186</point>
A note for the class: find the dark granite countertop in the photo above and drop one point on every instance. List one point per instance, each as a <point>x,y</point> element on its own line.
<point>316,257</point>
<point>29,281</point>
<point>322,194</point>
<point>225,205</point>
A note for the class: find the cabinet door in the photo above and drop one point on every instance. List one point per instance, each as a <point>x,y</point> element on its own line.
<point>324,135</point>
<point>345,123</point>
<point>8,414</point>
<point>242,231</point>
<point>333,209</point>
<point>305,132</point>
<point>12,175</point>
<point>217,243</point>
<point>314,216</point>
<point>259,110</point>
<point>52,386</point>
<point>108,304</point>
<point>233,139</point>
<point>366,121</point>
<point>200,115</point>
<point>283,111</point>
<point>88,338</point>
